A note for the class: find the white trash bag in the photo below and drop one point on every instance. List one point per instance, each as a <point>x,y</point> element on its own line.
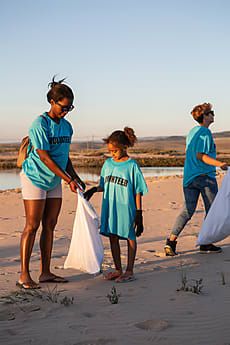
<point>86,248</point>
<point>216,225</point>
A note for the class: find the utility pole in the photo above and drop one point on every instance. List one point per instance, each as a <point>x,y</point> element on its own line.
<point>92,141</point>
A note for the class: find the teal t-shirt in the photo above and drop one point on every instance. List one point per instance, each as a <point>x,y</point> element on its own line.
<point>200,140</point>
<point>46,134</point>
<point>121,182</point>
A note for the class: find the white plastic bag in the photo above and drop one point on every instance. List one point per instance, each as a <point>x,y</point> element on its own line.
<point>86,248</point>
<point>216,225</point>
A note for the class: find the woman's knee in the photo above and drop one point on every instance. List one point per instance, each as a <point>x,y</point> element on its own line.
<point>31,227</point>
<point>187,214</point>
<point>188,210</point>
<point>49,224</point>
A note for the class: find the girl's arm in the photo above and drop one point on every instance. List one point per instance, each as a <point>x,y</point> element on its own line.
<point>138,223</point>
<point>48,161</point>
<point>89,193</point>
<point>139,201</point>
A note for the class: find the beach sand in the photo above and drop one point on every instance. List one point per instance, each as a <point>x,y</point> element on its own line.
<point>150,310</point>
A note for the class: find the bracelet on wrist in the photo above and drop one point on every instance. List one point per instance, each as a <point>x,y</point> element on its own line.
<point>71,180</point>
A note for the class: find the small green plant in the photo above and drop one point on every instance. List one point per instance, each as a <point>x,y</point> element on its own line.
<point>113,296</point>
<point>52,294</point>
<point>184,280</point>
<point>66,301</point>
<point>223,278</point>
<point>185,286</point>
<point>197,287</point>
<point>24,296</point>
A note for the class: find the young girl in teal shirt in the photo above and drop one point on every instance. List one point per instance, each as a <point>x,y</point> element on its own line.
<point>123,185</point>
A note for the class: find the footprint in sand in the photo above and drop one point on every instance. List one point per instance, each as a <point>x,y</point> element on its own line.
<point>155,253</point>
<point>61,267</point>
<point>17,259</point>
<point>153,325</point>
<point>89,315</point>
<point>3,235</point>
<point>30,308</point>
<point>78,327</point>
<point>173,205</point>
<point>100,341</point>
<point>6,316</point>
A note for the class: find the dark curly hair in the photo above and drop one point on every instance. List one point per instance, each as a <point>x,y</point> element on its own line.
<point>120,138</point>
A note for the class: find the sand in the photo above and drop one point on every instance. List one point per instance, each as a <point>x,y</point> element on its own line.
<point>150,310</point>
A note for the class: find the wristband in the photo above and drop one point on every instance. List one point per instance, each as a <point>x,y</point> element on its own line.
<point>72,179</point>
<point>138,211</point>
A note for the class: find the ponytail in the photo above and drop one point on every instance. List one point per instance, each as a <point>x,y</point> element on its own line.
<point>120,138</point>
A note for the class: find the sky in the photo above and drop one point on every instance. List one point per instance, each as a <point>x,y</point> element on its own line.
<point>138,63</point>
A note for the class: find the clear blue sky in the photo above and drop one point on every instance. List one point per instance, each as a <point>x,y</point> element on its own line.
<point>142,63</point>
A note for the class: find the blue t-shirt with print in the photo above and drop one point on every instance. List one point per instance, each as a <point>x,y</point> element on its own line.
<point>121,182</point>
<point>46,134</point>
<point>200,140</point>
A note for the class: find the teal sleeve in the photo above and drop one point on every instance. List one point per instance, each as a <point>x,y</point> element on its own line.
<point>38,134</point>
<point>139,181</point>
<point>102,176</point>
<point>71,128</point>
<point>204,144</point>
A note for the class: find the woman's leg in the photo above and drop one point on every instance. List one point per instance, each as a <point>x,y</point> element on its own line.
<point>209,189</point>
<point>33,211</point>
<point>49,221</point>
<point>191,196</point>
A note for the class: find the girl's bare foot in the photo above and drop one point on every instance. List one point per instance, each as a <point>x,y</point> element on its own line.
<point>112,275</point>
<point>51,278</point>
<point>128,276</point>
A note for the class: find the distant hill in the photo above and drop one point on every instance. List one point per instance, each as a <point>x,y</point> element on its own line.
<point>97,144</point>
<point>174,137</point>
<point>225,134</point>
<point>157,144</point>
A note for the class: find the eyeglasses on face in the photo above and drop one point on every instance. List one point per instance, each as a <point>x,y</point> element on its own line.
<point>65,109</point>
<point>211,112</point>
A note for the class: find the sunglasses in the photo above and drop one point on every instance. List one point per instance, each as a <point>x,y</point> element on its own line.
<point>65,109</point>
<point>211,112</point>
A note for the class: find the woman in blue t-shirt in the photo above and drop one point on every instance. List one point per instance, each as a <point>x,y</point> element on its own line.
<point>47,164</point>
<point>123,185</point>
<point>199,175</point>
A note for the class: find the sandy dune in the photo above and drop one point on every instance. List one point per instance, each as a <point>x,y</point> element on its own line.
<point>150,309</point>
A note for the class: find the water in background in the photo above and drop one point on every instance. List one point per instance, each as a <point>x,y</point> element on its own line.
<point>10,179</point>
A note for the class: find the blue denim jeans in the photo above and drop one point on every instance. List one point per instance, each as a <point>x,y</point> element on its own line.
<point>204,185</point>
